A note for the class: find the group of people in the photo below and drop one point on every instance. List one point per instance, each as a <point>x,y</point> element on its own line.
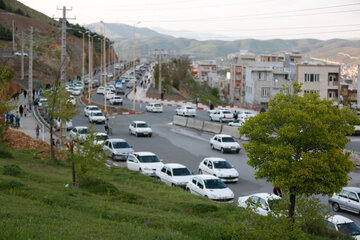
<point>57,144</point>
<point>12,120</point>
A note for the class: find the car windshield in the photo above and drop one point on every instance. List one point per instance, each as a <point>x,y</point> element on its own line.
<point>142,125</point>
<point>222,164</point>
<point>228,139</point>
<point>120,145</point>
<point>149,159</point>
<point>117,97</point>
<point>214,184</point>
<point>181,172</point>
<point>189,108</point>
<point>227,112</point>
<point>157,105</point>
<point>83,131</point>
<point>248,112</point>
<point>97,114</point>
<point>350,228</point>
<point>102,137</point>
<point>93,108</point>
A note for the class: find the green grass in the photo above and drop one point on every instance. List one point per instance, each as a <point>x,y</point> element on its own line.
<point>116,204</point>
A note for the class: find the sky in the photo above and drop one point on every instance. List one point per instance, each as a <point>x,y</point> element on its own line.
<point>223,20</point>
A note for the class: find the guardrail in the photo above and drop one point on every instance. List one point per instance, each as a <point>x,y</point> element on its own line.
<point>207,126</point>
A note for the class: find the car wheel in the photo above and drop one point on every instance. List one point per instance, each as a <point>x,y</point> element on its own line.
<point>222,150</point>
<point>136,134</point>
<point>200,171</point>
<point>140,170</point>
<point>237,151</point>
<point>150,135</point>
<point>113,156</point>
<point>130,132</point>
<point>188,189</point>
<point>173,185</point>
<point>212,146</point>
<point>220,120</point>
<point>335,207</point>
<point>211,119</point>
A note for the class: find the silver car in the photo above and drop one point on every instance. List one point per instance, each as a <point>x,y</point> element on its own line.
<point>347,199</point>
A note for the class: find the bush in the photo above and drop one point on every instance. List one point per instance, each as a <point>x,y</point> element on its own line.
<point>5,154</point>
<point>20,12</point>
<point>5,33</point>
<point>2,5</point>
<point>97,185</point>
<point>12,170</point>
<point>11,185</point>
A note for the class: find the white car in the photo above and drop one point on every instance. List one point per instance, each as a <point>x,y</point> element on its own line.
<point>96,117</point>
<point>76,91</point>
<point>210,187</point>
<point>174,174</point>
<point>154,107</point>
<point>146,163</point>
<point>109,95</point>
<point>90,108</point>
<point>236,123</point>
<point>210,111</point>
<point>224,143</point>
<point>220,168</point>
<point>186,111</point>
<point>82,132</point>
<point>261,202</point>
<point>100,90</point>
<point>100,138</point>
<point>344,224</point>
<point>139,128</point>
<point>68,124</point>
<point>110,87</point>
<point>116,100</point>
<point>117,149</point>
<point>246,114</point>
<point>222,116</point>
<point>42,102</point>
<point>19,54</point>
<point>72,99</point>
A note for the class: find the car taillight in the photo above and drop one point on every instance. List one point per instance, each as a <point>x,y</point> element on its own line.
<point>224,116</point>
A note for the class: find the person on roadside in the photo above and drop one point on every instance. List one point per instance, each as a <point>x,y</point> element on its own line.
<point>236,115</point>
<point>25,92</point>
<point>277,191</point>
<point>25,111</point>
<point>58,146</point>
<point>21,110</point>
<point>108,127</point>
<point>37,131</point>
<point>17,120</point>
<point>197,101</point>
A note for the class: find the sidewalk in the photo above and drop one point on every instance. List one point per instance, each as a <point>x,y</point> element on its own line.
<point>28,123</point>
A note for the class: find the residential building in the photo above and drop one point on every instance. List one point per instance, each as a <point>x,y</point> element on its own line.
<point>323,79</point>
<point>206,67</point>
<point>358,87</point>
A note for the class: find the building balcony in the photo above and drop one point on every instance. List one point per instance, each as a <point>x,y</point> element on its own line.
<point>333,83</point>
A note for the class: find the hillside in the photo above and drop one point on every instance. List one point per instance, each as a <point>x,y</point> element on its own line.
<point>46,44</point>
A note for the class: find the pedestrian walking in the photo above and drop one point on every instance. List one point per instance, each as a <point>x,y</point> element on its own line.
<point>34,92</point>
<point>58,146</point>
<point>25,93</point>
<point>37,130</point>
<point>25,111</point>
<point>17,120</point>
<point>21,110</point>
<point>277,191</point>
<point>236,115</point>
<point>197,101</point>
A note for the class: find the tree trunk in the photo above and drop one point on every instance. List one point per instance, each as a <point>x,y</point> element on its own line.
<point>292,207</point>
<point>51,142</point>
<point>73,165</point>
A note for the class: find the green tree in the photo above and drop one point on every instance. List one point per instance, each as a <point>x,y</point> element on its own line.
<point>298,145</point>
<point>58,106</point>
<point>86,155</point>
<point>6,74</point>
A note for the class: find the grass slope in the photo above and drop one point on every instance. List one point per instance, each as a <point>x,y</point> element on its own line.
<point>35,204</point>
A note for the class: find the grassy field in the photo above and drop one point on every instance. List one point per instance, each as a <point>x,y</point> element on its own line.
<point>114,204</point>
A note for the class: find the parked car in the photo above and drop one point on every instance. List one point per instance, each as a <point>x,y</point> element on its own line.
<point>210,111</point>
<point>357,130</point>
<point>237,123</point>
<point>140,128</point>
<point>42,102</point>
<point>347,199</point>
<point>119,90</point>
<point>146,163</point>
<point>100,90</point>
<point>186,111</point>
<point>68,124</point>
<point>174,174</point>
<point>76,91</point>
<point>246,114</point>
<point>96,117</point>
<point>224,143</point>
<point>262,203</point>
<point>344,224</point>
<point>100,138</point>
<point>222,116</point>
<point>81,132</point>
<point>116,100</point>
<point>220,168</point>
<point>90,108</point>
<point>109,95</point>
<point>210,187</point>
<point>154,107</point>
<point>117,149</point>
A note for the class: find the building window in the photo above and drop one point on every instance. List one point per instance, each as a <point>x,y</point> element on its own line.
<point>238,77</point>
<point>238,85</point>
<point>238,69</point>
<point>265,92</point>
<point>311,91</point>
<point>332,95</point>
<point>311,77</point>
<point>262,75</point>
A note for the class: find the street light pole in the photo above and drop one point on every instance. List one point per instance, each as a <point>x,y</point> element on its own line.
<point>89,72</point>
<point>134,80</point>
<point>101,63</point>
<point>105,76</point>
<point>83,59</point>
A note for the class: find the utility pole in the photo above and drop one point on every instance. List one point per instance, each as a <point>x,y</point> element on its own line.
<point>89,72</point>
<point>101,63</point>
<point>30,65</point>
<point>83,60</point>
<point>159,85</point>
<point>105,76</point>
<point>63,44</point>
<point>134,63</point>
<point>13,34</point>
<point>22,55</point>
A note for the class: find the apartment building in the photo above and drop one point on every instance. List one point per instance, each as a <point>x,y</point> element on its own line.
<point>323,79</point>
<point>204,69</point>
<point>263,81</point>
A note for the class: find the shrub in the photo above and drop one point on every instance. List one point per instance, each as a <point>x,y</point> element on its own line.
<point>20,12</point>
<point>97,185</point>
<point>12,170</point>
<point>5,154</point>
